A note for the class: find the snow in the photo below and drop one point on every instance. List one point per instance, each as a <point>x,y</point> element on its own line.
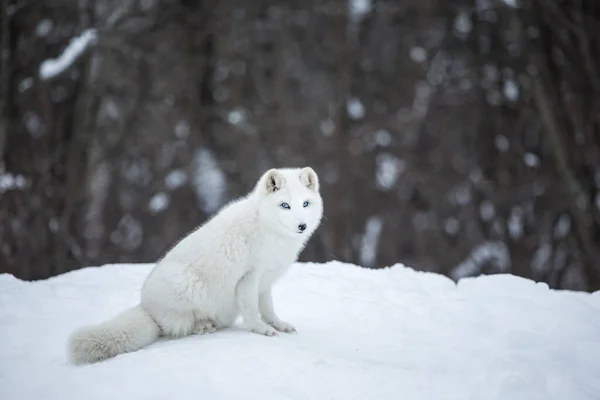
<point>510,3</point>
<point>109,109</point>
<point>475,175</point>
<point>418,54</point>
<point>355,109</point>
<point>129,233</point>
<point>437,70</point>
<point>327,127</point>
<point>210,182</point>
<point>236,117</point>
<point>182,129</point>
<point>531,160</point>
<point>423,93</point>
<point>501,143</point>
<point>53,224</point>
<point>462,194</point>
<point>563,226</point>
<point>389,168</point>
<point>511,90</point>
<point>53,67</point>
<point>33,124</point>
<point>44,27</point>
<point>516,223</point>
<point>370,240</point>
<point>541,258</point>
<point>137,171</point>
<point>452,226</point>
<point>486,210</point>
<point>359,8</point>
<point>462,23</point>
<point>10,181</point>
<point>176,179</point>
<point>493,254</point>
<point>383,138</point>
<point>383,334</point>
<point>25,84</point>
<point>159,202</point>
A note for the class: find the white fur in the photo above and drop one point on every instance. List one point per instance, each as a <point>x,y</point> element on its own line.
<point>225,268</point>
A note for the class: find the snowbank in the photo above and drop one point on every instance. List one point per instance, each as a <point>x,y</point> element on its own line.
<point>362,334</point>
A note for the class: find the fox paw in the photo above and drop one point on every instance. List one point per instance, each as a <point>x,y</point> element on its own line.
<point>283,326</point>
<point>264,329</point>
<point>204,326</point>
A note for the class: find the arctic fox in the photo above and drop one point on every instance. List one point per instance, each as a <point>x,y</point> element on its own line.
<point>223,269</point>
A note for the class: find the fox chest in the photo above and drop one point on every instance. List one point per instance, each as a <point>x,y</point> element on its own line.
<point>274,258</point>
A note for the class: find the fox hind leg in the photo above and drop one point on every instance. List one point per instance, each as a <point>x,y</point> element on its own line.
<point>175,323</point>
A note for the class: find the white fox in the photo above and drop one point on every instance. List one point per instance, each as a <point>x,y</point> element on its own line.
<point>223,269</point>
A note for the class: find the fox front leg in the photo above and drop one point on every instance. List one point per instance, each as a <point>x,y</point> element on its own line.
<point>247,300</point>
<point>265,304</point>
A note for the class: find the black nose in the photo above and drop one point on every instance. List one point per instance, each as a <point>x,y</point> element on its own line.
<point>302,227</point>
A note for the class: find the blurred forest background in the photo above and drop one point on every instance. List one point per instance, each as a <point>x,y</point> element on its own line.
<point>461,137</point>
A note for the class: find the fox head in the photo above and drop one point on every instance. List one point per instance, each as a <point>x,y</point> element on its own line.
<point>290,201</point>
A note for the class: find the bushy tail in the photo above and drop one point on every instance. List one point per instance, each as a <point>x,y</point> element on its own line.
<point>129,331</point>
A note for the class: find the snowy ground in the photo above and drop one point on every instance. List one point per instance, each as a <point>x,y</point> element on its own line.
<point>362,334</point>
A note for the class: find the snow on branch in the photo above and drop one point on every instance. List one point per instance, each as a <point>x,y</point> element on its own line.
<point>495,254</point>
<point>55,66</point>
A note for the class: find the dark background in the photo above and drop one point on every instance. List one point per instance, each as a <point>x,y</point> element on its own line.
<point>461,137</point>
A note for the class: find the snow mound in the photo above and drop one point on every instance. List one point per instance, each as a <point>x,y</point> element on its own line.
<point>383,334</point>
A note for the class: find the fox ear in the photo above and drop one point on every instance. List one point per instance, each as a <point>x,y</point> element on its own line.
<point>273,180</point>
<point>309,178</point>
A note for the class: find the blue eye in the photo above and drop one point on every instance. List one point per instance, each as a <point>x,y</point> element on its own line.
<point>285,205</point>
<point>306,203</point>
